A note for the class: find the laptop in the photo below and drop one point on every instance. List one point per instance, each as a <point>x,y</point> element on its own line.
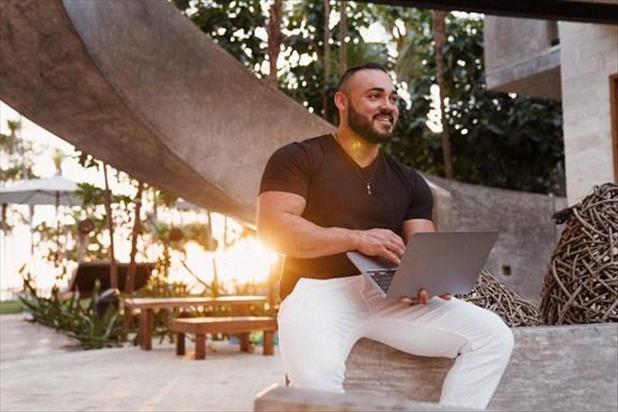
<point>439,262</point>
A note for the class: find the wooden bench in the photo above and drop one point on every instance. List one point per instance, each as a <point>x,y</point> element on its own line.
<point>240,305</point>
<point>552,368</point>
<point>232,324</point>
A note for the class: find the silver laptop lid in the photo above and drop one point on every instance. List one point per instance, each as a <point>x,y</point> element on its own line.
<point>439,262</point>
<point>442,262</point>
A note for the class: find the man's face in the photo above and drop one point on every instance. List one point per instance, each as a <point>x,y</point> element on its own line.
<point>372,110</point>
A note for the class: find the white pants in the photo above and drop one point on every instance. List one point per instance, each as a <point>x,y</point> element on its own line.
<point>321,320</point>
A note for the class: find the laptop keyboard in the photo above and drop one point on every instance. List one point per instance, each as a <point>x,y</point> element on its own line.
<point>383,277</point>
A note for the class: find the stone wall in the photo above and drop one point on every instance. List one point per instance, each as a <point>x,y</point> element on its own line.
<point>527,238</point>
<point>589,55</point>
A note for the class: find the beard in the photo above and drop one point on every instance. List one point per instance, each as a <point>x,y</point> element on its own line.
<point>365,128</point>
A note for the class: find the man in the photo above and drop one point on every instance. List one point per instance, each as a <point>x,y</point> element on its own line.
<point>336,193</point>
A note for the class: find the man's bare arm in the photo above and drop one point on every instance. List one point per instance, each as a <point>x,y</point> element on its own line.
<point>413,226</point>
<point>281,226</point>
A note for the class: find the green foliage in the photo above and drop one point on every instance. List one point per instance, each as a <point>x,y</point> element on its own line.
<point>62,243</point>
<point>76,318</point>
<point>165,198</point>
<point>17,154</point>
<point>8,142</point>
<point>304,32</point>
<point>233,25</point>
<point>15,172</point>
<point>90,194</point>
<point>176,238</point>
<point>87,161</point>
<point>10,307</point>
<point>497,140</point>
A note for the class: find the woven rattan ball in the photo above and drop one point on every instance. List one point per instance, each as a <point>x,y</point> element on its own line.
<point>581,285</point>
<point>491,294</point>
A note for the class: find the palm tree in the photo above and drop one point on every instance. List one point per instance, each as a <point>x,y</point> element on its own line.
<point>14,128</point>
<point>130,281</point>
<point>439,38</point>
<point>113,270</point>
<point>275,38</point>
<point>18,161</point>
<point>412,42</point>
<point>58,157</point>
<point>343,33</point>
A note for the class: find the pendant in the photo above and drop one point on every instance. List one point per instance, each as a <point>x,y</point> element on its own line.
<point>369,189</point>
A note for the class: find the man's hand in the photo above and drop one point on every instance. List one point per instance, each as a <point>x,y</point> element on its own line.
<point>423,297</point>
<point>380,242</point>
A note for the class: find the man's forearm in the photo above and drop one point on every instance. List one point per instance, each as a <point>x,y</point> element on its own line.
<point>295,236</point>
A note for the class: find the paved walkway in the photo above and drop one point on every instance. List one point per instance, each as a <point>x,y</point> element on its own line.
<point>42,370</point>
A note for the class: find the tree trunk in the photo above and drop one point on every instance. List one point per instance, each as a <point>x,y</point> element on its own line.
<point>439,38</point>
<point>22,149</point>
<point>225,237</point>
<point>343,33</point>
<point>113,270</point>
<point>130,282</point>
<point>82,242</point>
<point>155,207</point>
<point>214,285</point>
<point>274,40</point>
<point>326,59</point>
<point>4,222</point>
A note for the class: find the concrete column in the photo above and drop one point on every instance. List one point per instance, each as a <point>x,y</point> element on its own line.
<point>589,55</point>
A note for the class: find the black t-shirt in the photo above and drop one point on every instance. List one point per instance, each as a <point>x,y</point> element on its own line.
<point>320,170</point>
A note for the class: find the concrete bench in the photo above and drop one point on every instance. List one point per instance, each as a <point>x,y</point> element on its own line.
<point>553,368</point>
<point>236,324</point>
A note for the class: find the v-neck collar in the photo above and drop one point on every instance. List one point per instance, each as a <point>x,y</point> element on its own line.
<point>369,167</point>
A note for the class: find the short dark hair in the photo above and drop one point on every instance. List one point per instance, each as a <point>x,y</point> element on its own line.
<point>350,72</point>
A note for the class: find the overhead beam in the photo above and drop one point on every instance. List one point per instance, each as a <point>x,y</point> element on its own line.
<point>580,11</point>
<point>139,86</point>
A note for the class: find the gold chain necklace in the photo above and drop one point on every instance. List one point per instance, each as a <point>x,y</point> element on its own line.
<point>357,168</point>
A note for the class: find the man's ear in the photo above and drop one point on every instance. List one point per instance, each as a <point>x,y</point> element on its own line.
<point>341,101</point>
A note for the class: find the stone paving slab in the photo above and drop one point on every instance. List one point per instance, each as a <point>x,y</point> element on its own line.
<point>22,339</point>
<point>131,379</point>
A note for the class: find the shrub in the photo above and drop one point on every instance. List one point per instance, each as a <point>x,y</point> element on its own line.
<point>77,318</point>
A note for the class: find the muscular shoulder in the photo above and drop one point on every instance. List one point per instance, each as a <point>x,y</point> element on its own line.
<point>408,175</point>
<point>309,150</point>
<point>291,166</point>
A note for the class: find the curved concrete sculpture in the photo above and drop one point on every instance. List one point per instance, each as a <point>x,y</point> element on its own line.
<point>137,85</point>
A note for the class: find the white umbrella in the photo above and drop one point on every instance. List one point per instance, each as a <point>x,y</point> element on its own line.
<point>48,191</point>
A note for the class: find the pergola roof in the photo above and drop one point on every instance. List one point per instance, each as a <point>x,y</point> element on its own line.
<point>599,11</point>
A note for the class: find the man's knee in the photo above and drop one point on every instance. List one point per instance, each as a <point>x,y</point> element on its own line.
<point>499,336</point>
<point>487,331</point>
